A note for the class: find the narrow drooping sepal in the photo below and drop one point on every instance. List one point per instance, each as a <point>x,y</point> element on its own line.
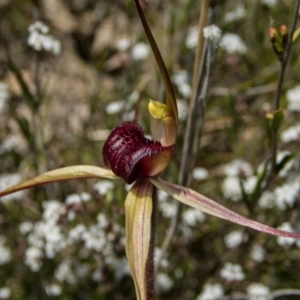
<point>138,211</point>
<point>130,155</point>
<point>198,201</point>
<point>67,173</point>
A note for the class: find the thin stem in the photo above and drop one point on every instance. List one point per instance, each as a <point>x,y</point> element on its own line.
<point>280,83</point>
<point>189,138</point>
<point>150,271</point>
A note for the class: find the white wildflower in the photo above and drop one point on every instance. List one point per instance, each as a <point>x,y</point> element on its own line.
<point>40,39</point>
<point>53,210</point>
<point>192,37</point>
<point>200,173</point>
<point>64,273</point>
<point>8,181</point>
<point>157,255</point>
<point>266,200</point>
<point>5,253</point>
<point>285,195</point>
<point>231,188</point>
<point>5,292</point>
<point>25,227</point>
<point>115,107</point>
<point>238,13</point>
<point>286,241</point>
<point>270,3</point>
<point>33,258</point>
<point>103,186</point>
<point>293,98</point>
<point>257,253</point>
<point>258,291</point>
<point>75,234</point>
<point>168,208</point>
<point>183,109</point>
<point>53,290</point>
<point>232,272</point>
<point>212,33</point>
<point>123,44</point>
<point>192,217</point>
<point>181,80</point>
<point>211,291</point>
<point>238,167</point>
<point>234,239</point>
<point>102,221</point>
<point>232,43</point>
<point>140,51</point>
<point>291,134</point>
<point>164,282</point>
<point>120,267</point>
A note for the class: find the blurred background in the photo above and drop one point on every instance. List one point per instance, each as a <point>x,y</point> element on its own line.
<point>70,71</point>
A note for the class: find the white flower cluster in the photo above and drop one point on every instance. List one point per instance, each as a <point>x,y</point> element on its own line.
<point>7,181</point>
<point>181,80</point>
<point>234,171</point>
<point>4,96</point>
<point>257,253</point>
<point>237,14</point>
<point>140,51</point>
<point>258,291</point>
<point>285,241</point>
<point>5,253</point>
<point>232,43</point>
<point>234,239</point>
<point>232,272</point>
<point>163,283</point>
<point>291,134</point>
<point>212,33</point>
<point>200,173</point>
<point>40,39</point>
<point>5,292</point>
<point>293,98</point>
<point>211,291</point>
<point>270,3</point>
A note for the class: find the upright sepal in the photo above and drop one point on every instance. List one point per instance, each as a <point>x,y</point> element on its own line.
<point>170,99</point>
<point>138,211</point>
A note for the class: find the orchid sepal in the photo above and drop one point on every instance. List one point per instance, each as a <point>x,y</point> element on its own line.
<point>206,205</point>
<point>138,211</point>
<point>170,99</point>
<point>62,174</point>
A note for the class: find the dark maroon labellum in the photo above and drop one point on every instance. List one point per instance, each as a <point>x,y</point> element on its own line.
<point>129,154</point>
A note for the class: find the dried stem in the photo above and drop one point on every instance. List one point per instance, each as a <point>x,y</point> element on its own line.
<point>189,138</point>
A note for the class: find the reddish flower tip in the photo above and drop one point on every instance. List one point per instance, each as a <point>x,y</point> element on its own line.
<point>130,155</point>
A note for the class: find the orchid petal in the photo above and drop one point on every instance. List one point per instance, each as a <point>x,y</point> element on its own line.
<point>171,100</point>
<point>67,173</point>
<point>198,201</point>
<point>138,210</point>
<point>163,128</point>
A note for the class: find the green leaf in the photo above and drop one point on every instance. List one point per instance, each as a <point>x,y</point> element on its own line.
<point>198,201</point>
<point>138,210</point>
<point>171,100</point>
<point>67,173</point>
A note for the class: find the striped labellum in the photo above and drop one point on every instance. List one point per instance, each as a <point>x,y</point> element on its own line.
<point>130,155</point>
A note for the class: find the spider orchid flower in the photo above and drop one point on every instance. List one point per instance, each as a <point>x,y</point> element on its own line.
<point>136,159</point>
